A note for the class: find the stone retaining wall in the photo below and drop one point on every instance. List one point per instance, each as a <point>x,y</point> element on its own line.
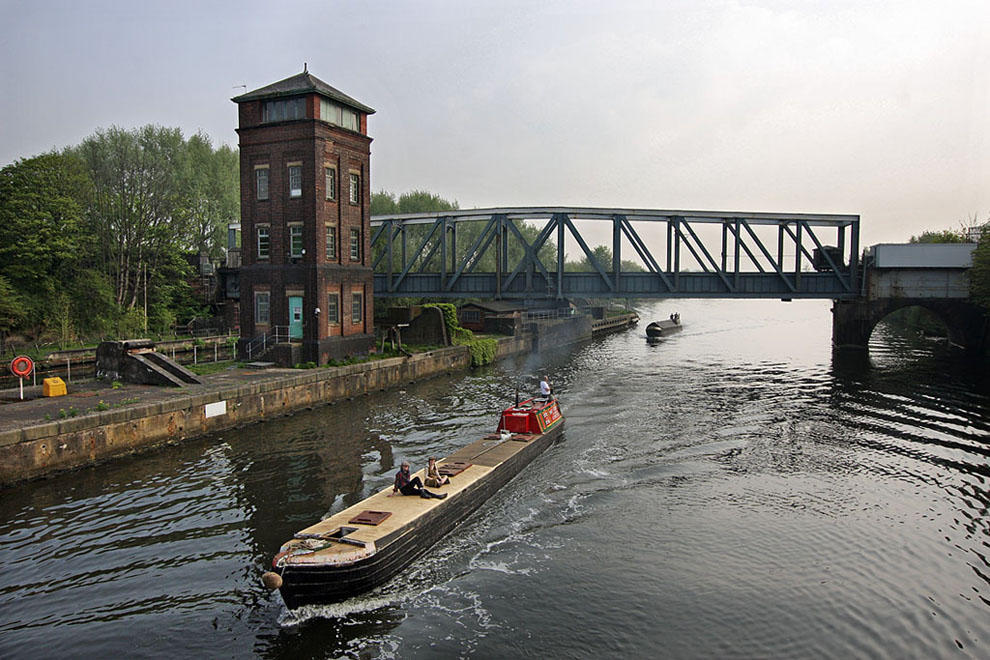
<point>54,446</point>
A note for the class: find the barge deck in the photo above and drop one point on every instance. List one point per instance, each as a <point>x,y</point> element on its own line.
<point>365,545</point>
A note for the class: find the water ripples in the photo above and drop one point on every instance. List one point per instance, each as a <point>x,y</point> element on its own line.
<point>735,491</point>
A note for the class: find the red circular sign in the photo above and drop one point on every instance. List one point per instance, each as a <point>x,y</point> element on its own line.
<point>21,366</point>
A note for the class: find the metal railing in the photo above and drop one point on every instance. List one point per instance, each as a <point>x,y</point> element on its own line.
<point>260,344</point>
<point>80,365</point>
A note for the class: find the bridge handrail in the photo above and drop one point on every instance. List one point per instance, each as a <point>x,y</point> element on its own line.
<point>593,213</point>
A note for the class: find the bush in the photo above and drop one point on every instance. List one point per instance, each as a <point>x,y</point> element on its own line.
<point>449,311</point>
<point>482,351</point>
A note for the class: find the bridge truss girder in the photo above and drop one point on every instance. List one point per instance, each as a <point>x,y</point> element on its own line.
<point>703,254</point>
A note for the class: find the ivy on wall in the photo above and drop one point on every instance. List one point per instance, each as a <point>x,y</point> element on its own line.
<point>482,348</point>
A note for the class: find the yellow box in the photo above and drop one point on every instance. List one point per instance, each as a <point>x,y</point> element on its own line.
<point>53,387</point>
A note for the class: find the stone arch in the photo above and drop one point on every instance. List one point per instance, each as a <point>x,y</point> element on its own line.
<point>853,321</point>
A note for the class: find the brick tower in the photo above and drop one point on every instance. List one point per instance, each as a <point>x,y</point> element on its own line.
<point>306,277</point>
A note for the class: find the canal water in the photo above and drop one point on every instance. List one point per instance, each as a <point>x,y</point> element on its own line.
<point>734,491</point>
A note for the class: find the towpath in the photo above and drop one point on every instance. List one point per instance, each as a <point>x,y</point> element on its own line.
<point>87,397</point>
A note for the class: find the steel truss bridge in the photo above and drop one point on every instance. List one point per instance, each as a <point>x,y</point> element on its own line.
<point>519,253</point>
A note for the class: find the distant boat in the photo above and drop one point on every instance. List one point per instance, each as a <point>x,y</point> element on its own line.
<point>663,328</point>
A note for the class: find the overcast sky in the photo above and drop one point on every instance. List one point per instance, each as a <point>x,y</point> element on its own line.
<point>881,109</point>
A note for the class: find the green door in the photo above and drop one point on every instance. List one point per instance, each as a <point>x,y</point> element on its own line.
<point>295,317</point>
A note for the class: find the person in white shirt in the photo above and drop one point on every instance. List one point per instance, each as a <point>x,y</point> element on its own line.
<point>545,390</point>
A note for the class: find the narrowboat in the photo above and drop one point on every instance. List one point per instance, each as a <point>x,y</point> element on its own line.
<point>364,546</point>
<point>663,328</point>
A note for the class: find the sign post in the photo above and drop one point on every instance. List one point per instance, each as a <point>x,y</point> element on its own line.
<point>21,366</point>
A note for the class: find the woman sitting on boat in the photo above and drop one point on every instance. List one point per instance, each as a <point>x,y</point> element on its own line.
<point>433,477</point>
<point>409,485</point>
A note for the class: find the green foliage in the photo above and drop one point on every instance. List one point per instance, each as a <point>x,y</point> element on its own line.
<point>213,195</point>
<point>41,211</point>
<point>383,203</point>
<point>449,311</point>
<point>603,257</point>
<point>206,368</point>
<point>468,233</point>
<point>116,385</point>
<point>155,196</point>
<point>422,201</point>
<point>482,349</point>
<point>87,234</point>
<point>917,319</point>
<point>102,405</point>
<point>944,236</point>
<point>93,309</point>
<point>979,274</point>
<point>414,201</point>
<point>130,324</point>
<point>12,308</point>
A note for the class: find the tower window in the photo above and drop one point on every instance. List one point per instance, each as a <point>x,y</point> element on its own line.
<point>264,243</point>
<point>338,115</point>
<point>261,182</point>
<point>331,243</point>
<point>295,180</point>
<point>330,174</point>
<point>262,300</point>
<point>284,110</point>
<point>295,241</point>
<point>350,119</point>
<point>355,188</point>
<point>355,245</point>
<point>357,303</point>
<point>333,308</point>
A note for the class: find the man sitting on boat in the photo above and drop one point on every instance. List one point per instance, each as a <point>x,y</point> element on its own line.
<point>409,485</point>
<point>433,477</point>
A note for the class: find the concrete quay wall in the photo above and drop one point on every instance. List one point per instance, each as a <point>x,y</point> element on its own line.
<point>41,449</point>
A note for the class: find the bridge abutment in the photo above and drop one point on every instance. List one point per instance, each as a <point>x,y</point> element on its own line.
<point>853,321</point>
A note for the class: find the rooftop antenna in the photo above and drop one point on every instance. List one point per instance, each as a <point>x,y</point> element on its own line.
<point>243,86</point>
<point>305,69</point>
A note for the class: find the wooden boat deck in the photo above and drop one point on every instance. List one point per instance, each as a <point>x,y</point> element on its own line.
<point>404,511</point>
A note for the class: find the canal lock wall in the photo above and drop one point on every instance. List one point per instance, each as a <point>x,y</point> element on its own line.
<point>39,449</point>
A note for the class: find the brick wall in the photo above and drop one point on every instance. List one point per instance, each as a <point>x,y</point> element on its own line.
<point>314,145</point>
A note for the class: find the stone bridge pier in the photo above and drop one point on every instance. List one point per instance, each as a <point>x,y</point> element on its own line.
<point>853,320</point>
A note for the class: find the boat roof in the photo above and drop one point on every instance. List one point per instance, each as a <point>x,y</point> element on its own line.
<point>483,455</point>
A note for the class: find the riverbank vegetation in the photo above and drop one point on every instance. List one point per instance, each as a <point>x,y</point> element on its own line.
<point>972,231</point>
<point>94,239</point>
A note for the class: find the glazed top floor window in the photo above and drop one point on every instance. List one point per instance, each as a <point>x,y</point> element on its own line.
<point>284,110</point>
<point>334,113</point>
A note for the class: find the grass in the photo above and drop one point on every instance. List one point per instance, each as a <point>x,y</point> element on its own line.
<point>205,368</point>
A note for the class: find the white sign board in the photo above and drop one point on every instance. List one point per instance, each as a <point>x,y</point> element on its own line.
<point>216,409</point>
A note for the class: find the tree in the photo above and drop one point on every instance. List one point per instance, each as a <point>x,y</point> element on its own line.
<point>213,180</point>
<point>137,211</point>
<point>12,312</point>
<point>979,274</point>
<point>422,201</point>
<point>383,203</point>
<point>41,213</point>
<point>944,236</point>
<point>156,196</point>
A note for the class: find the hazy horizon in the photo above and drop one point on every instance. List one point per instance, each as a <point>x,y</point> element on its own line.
<point>837,107</point>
